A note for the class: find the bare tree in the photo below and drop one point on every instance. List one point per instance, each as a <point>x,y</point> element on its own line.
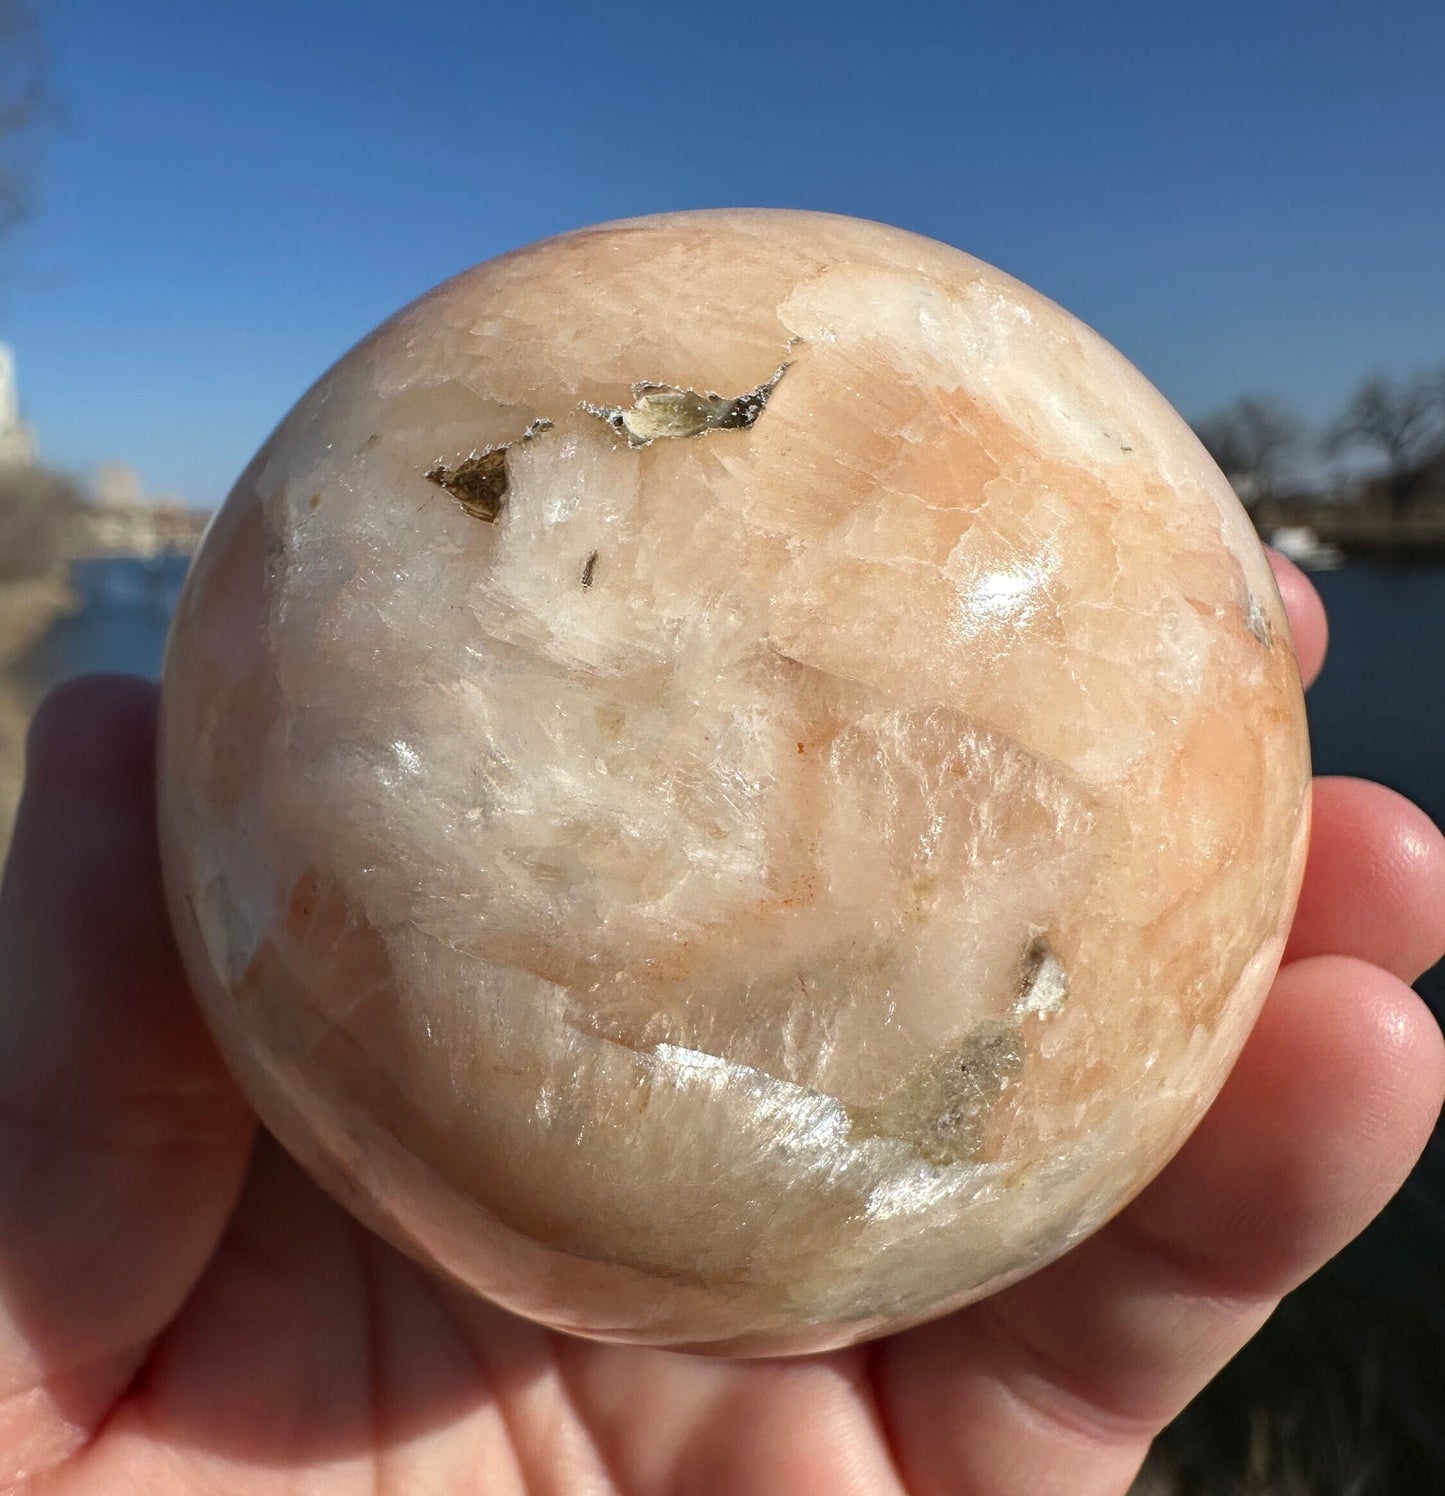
<point>1255,441</point>
<point>22,97</point>
<point>37,507</point>
<point>1404,421</point>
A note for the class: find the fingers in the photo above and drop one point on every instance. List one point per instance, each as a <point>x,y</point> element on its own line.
<point>1306,615</point>
<point>1346,1072</point>
<point>1374,884</point>
<point>122,1141</point>
<point>1057,1383</point>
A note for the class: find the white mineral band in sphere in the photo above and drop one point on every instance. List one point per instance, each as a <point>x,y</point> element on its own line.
<point>732,781</point>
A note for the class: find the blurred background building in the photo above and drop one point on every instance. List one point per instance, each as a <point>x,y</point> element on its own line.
<point>18,442</point>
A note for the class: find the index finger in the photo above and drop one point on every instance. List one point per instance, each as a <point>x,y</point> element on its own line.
<point>1306,615</point>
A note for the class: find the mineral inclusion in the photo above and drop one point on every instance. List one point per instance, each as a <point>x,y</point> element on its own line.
<point>732,781</point>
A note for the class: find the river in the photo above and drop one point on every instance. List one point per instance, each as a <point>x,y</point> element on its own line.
<point>124,610</point>
<point>1378,710</point>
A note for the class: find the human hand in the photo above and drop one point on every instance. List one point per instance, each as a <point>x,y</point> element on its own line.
<point>181,1310</point>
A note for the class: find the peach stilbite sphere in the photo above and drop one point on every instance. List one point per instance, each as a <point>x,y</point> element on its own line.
<point>733,780</point>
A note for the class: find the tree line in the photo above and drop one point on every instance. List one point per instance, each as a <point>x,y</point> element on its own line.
<point>1262,445</point>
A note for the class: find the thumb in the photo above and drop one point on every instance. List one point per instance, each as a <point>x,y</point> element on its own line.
<point>122,1139</point>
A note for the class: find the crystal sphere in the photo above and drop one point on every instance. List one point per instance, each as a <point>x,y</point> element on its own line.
<point>732,781</point>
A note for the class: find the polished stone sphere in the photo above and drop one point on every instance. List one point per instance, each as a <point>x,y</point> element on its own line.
<point>732,781</point>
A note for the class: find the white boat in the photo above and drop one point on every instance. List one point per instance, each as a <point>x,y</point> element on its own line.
<point>1305,549</point>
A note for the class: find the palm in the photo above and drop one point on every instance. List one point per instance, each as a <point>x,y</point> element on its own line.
<point>310,1345</point>
<point>183,1310</point>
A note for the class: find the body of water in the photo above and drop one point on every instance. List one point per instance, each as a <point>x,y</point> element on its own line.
<point>1377,711</point>
<point>121,622</point>
<point>1355,1353</point>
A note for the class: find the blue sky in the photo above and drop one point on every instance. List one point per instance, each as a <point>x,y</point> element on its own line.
<point>1241,196</point>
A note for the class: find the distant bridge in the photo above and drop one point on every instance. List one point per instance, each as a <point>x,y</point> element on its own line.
<point>154,529</point>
